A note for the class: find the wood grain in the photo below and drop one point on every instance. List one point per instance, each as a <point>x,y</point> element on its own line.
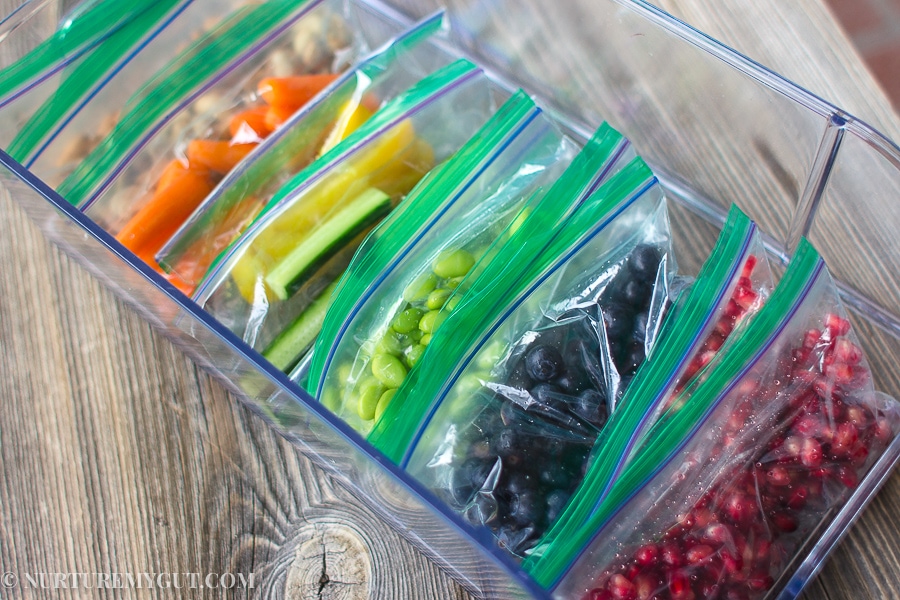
<point>118,454</point>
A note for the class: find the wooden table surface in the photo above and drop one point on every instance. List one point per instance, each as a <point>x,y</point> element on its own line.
<point>117,454</point>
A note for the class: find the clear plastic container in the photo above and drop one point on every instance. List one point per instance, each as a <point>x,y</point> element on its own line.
<point>817,172</point>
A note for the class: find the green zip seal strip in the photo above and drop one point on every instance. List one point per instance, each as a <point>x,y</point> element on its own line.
<point>175,85</point>
<point>681,337</point>
<point>390,115</point>
<point>512,274</point>
<point>82,31</point>
<point>416,216</point>
<point>548,564</point>
<point>83,79</point>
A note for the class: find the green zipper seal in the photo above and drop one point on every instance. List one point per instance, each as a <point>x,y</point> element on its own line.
<point>669,434</point>
<point>503,280</point>
<point>413,214</point>
<point>81,77</point>
<point>394,110</point>
<point>680,338</point>
<point>216,50</point>
<point>89,23</point>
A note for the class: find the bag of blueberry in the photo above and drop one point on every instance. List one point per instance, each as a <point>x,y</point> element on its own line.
<point>728,489</point>
<point>511,435</point>
<point>387,305</point>
<point>731,286</point>
<point>502,267</point>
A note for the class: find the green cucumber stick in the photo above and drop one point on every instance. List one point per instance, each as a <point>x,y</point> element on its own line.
<point>679,339</point>
<point>416,214</point>
<point>360,213</point>
<point>79,80</point>
<point>162,95</point>
<point>286,349</point>
<point>668,436</point>
<point>84,27</point>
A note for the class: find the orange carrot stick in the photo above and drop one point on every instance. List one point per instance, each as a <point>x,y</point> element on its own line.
<point>275,116</point>
<point>218,156</point>
<point>252,118</point>
<point>293,92</point>
<point>168,207</point>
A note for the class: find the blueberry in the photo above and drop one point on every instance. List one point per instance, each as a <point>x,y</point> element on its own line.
<point>591,406</point>
<point>516,540</point>
<point>487,422</point>
<point>618,320</point>
<point>556,502</point>
<point>644,261</point>
<point>632,359</point>
<point>641,322</point>
<point>553,475</point>
<point>550,447</point>
<point>548,396</point>
<point>512,415</point>
<point>543,363</point>
<point>505,443</point>
<point>483,510</point>
<point>636,294</point>
<point>518,377</point>
<point>526,508</point>
<point>517,482</point>
<point>574,381</point>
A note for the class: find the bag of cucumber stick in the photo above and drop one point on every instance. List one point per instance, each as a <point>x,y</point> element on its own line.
<point>248,46</point>
<point>308,134</point>
<point>731,285</point>
<point>86,102</point>
<point>306,237</point>
<point>499,271</point>
<point>757,461</point>
<point>396,286</point>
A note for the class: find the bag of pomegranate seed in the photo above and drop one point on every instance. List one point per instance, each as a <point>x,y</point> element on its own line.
<point>732,285</point>
<point>731,485</point>
<point>515,422</point>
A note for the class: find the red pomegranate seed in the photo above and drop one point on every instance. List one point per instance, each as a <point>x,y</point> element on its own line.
<point>784,521</point>
<point>647,555</point>
<point>739,508</point>
<point>845,438</point>
<point>599,594</point>
<point>698,554</point>
<point>733,563</point>
<point>840,373</point>
<point>671,555</point>
<point>797,498</point>
<point>847,352</point>
<point>883,431</point>
<point>778,476</point>
<point>847,476</point>
<point>836,325</point>
<point>680,586</point>
<point>811,453</point>
<point>749,265</point>
<point>645,586</point>
<point>621,588</point>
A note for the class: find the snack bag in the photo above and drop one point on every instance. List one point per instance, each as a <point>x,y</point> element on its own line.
<point>507,441</point>
<point>304,239</point>
<point>731,286</point>
<point>722,496</point>
<point>229,63</point>
<point>313,130</point>
<point>500,271</point>
<point>400,279</point>
<point>71,113</point>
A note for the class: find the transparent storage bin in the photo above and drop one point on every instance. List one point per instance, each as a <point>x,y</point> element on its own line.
<point>703,117</point>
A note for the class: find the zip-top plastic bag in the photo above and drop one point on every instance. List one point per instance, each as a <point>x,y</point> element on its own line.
<point>123,58</point>
<point>308,134</point>
<point>307,235</point>
<point>730,287</point>
<point>767,447</point>
<point>252,44</point>
<point>404,273</point>
<point>71,35</point>
<point>507,440</point>
<point>88,26</point>
<point>500,272</point>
